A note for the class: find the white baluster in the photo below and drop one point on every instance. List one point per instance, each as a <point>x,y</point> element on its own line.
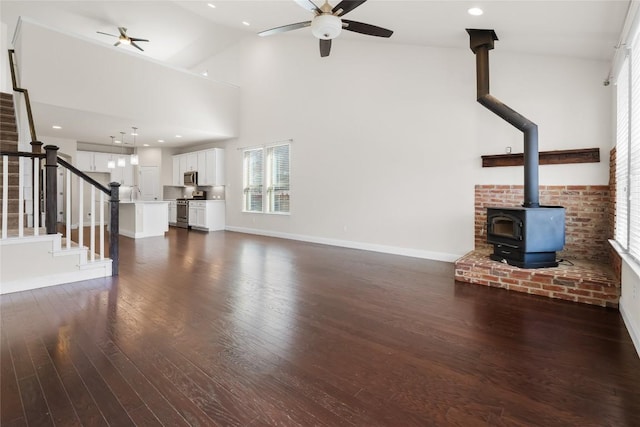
<point>81,213</point>
<point>68,208</point>
<point>5,195</point>
<point>36,197</point>
<point>101,225</point>
<point>20,197</point>
<point>92,236</point>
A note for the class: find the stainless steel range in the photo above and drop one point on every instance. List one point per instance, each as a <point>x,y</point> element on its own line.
<point>182,213</point>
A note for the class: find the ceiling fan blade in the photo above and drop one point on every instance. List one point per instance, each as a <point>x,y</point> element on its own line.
<point>285,28</point>
<point>136,46</point>
<point>133,39</point>
<point>123,31</point>
<point>309,5</point>
<point>368,29</point>
<point>346,6</point>
<point>117,43</point>
<point>106,34</point>
<point>325,47</point>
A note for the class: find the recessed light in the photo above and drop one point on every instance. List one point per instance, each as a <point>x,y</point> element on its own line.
<point>134,133</point>
<point>117,141</point>
<point>211,5</point>
<point>246,23</point>
<point>56,127</point>
<point>205,73</point>
<point>475,11</point>
<point>145,145</point>
<point>161,140</point>
<point>178,136</point>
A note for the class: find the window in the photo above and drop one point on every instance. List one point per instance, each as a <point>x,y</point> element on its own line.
<point>266,179</point>
<point>622,155</point>
<point>253,172</point>
<point>278,179</point>
<point>627,227</point>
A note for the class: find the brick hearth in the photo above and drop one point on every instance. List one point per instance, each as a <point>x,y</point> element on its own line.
<point>586,276</point>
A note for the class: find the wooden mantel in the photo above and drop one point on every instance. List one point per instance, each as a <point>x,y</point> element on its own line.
<point>557,157</point>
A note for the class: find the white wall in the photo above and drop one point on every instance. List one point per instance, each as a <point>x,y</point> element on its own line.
<point>5,73</point>
<point>388,138</point>
<point>630,299</point>
<point>135,88</point>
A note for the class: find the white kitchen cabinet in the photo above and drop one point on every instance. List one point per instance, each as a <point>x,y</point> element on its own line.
<point>192,162</point>
<point>173,213</point>
<point>208,163</point>
<point>214,159</point>
<point>123,175</point>
<point>198,214</point>
<point>88,161</point>
<point>207,215</point>
<point>177,176</point>
<point>183,167</point>
<point>202,167</point>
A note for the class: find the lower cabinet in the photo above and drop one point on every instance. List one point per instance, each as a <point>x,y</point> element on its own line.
<point>173,213</point>
<point>207,215</point>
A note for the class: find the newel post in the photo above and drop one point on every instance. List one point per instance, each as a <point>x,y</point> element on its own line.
<point>114,227</point>
<point>36,147</point>
<point>51,192</point>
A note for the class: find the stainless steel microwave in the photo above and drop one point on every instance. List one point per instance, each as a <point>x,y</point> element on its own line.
<point>191,178</point>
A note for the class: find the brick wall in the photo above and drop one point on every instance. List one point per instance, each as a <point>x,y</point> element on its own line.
<point>616,261</point>
<point>588,215</point>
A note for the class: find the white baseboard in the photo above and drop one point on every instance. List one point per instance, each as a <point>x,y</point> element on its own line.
<point>394,250</point>
<point>631,328</point>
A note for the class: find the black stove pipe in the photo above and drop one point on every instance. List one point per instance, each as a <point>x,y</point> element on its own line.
<point>481,43</point>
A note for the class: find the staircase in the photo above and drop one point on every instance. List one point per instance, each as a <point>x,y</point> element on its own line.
<point>9,142</point>
<point>30,258</point>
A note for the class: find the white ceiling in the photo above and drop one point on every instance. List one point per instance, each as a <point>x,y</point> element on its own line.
<point>186,33</point>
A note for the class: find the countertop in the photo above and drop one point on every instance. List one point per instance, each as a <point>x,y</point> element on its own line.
<point>143,202</point>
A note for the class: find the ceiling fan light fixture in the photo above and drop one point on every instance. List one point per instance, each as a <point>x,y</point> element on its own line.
<point>326,26</point>
<point>124,40</point>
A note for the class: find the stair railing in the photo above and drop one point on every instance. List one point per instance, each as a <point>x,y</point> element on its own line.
<point>50,197</point>
<point>36,146</point>
<point>50,161</point>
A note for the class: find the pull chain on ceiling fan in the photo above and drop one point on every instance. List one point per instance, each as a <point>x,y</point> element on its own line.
<point>327,23</point>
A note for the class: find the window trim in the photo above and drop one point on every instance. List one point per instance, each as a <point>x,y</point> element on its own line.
<point>266,178</point>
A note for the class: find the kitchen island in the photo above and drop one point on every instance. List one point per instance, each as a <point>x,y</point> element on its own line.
<point>141,218</point>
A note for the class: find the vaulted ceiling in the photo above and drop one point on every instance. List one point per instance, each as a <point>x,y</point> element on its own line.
<point>185,33</point>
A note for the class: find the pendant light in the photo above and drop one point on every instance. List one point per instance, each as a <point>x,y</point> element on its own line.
<point>121,161</point>
<point>111,164</point>
<point>134,157</point>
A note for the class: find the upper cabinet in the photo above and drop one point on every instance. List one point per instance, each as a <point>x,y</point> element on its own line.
<point>192,162</point>
<point>214,160</point>
<point>88,161</point>
<point>208,163</point>
<point>178,178</point>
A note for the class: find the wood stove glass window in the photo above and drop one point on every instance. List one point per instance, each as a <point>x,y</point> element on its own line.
<point>504,226</point>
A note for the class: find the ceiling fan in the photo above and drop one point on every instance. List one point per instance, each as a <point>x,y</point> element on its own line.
<point>123,38</point>
<point>327,23</point>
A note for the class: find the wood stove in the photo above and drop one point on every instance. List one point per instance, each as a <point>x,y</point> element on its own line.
<point>526,236</point>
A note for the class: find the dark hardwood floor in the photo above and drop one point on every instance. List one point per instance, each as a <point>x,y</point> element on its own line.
<point>231,329</point>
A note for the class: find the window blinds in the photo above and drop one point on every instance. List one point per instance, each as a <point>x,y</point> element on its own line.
<point>622,156</point>
<point>253,174</point>
<point>634,155</point>
<point>278,176</point>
